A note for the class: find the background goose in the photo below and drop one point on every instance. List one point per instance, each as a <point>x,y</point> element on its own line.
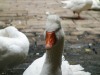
<point>51,63</point>
<point>14,46</point>
<point>96,4</point>
<point>77,6</point>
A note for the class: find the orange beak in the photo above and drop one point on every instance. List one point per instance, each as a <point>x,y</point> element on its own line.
<point>50,39</point>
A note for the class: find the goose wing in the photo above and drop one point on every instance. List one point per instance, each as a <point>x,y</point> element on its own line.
<point>36,67</point>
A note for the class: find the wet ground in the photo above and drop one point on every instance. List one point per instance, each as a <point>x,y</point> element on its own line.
<point>81,52</point>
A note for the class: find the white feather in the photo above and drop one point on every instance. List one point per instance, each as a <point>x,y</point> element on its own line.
<point>96,4</point>
<point>14,46</point>
<point>77,5</point>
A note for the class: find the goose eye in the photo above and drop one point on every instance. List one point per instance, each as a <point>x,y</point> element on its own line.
<point>50,39</point>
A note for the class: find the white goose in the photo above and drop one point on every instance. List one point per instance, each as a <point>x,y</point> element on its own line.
<point>14,46</point>
<point>77,6</point>
<point>51,63</point>
<point>96,4</point>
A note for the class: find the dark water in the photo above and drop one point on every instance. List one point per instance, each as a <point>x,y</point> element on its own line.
<point>76,53</point>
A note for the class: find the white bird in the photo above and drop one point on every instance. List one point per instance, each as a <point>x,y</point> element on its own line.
<point>52,62</point>
<point>14,46</point>
<point>77,6</point>
<point>96,4</point>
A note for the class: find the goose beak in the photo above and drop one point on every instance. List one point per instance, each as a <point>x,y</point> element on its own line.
<point>50,39</point>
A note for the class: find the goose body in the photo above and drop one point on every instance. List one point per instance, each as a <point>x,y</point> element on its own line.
<point>77,6</point>
<point>14,46</point>
<point>96,4</point>
<point>52,62</point>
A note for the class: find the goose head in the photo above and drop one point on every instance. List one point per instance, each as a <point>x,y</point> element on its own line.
<point>54,40</point>
<point>54,34</point>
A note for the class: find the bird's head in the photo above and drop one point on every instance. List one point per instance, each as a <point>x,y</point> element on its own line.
<point>53,31</point>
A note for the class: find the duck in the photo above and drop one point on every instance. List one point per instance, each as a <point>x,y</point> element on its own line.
<point>53,61</point>
<point>77,6</point>
<point>14,47</point>
<point>96,4</point>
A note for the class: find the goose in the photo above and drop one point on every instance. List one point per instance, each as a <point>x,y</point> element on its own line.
<point>14,46</point>
<point>96,4</point>
<point>53,62</point>
<point>77,6</point>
